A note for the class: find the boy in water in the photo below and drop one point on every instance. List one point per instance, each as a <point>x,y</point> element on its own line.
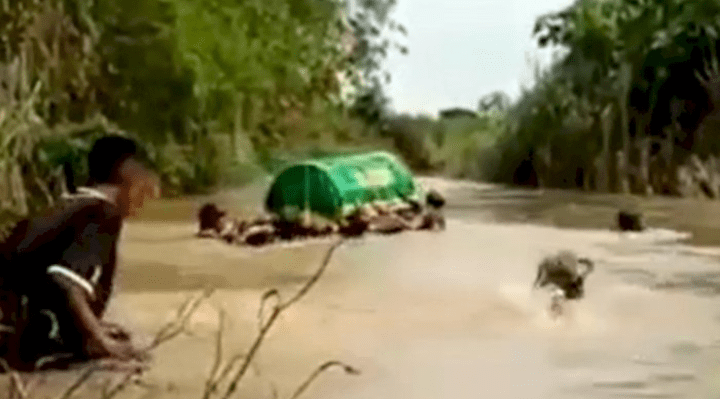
<point>215,223</point>
<point>61,265</point>
<point>565,272</point>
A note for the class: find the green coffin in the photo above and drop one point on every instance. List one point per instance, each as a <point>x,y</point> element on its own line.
<point>335,186</point>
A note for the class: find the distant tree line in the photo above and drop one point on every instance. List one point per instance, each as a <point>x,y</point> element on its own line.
<point>630,106</point>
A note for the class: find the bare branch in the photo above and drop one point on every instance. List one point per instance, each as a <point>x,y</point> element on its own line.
<point>272,293</point>
<point>179,325</point>
<point>169,326</point>
<point>315,277</point>
<point>212,388</point>
<point>165,334</point>
<point>273,316</point>
<point>321,369</point>
<point>218,352</point>
<point>102,365</point>
<point>81,380</point>
<point>17,386</point>
<point>105,387</point>
<point>120,386</point>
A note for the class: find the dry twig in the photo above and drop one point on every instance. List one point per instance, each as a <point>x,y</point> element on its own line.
<point>321,369</point>
<point>81,380</point>
<point>120,386</point>
<point>178,326</point>
<point>169,331</point>
<point>18,388</point>
<point>278,308</point>
<point>218,350</point>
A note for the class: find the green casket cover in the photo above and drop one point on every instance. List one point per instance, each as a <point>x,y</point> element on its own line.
<point>336,186</point>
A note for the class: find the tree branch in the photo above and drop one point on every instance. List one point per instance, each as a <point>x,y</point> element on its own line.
<point>18,388</point>
<point>321,369</point>
<point>178,326</point>
<point>279,308</point>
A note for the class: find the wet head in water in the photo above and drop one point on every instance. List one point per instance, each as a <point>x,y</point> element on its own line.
<point>564,271</point>
<point>210,218</point>
<point>435,199</point>
<point>354,225</point>
<point>630,221</point>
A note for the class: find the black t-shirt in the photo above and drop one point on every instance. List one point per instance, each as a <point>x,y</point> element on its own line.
<point>77,240</point>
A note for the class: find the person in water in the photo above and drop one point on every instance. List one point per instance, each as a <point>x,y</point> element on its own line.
<point>424,217</point>
<point>565,273</point>
<point>60,266</point>
<point>388,221</point>
<point>216,223</point>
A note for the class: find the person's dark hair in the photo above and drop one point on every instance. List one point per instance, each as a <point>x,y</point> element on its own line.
<point>106,155</point>
<point>575,290</point>
<point>209,215</point>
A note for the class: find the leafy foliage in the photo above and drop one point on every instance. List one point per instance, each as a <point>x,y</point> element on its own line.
<point>627,82</point>
<point>181,75</point>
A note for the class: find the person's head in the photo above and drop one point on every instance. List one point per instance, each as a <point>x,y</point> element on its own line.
<point>368,211</point>
<point>435,199</point>
<point>264,219</point>
<point>576,289</point>
<point>210,217</point>
<point>383,209</point>
<point>589,266</point>
<point>112,162</point>
<point>415,206</point>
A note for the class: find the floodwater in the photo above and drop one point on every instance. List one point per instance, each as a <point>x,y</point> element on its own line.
<point>442,315</point>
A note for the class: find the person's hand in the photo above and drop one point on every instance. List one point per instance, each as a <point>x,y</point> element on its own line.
<point>123,350</point>
<point>108,347</point>
<point>116,331</point>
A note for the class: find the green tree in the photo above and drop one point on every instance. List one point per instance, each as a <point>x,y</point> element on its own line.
<point>630,64</point>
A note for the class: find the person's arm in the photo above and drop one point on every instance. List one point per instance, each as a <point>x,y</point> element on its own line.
<point>97,341</point>
<point>78,273</point>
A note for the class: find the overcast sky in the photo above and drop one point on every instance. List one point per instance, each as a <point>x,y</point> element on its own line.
<point>463,49</point>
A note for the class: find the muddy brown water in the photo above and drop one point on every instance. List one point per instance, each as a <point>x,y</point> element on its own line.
<point>440,315</point>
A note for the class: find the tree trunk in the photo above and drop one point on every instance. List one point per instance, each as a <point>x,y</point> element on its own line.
<point>644,167</point>
<point>237,128</point>
<point>626,71</point>
<point>623,183</point>
<point>669,164</point>
<point>601,175</point>
<point>606,129</point>
<point>543,167</point>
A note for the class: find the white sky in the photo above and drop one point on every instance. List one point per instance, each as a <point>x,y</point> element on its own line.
<point>461,50</point>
